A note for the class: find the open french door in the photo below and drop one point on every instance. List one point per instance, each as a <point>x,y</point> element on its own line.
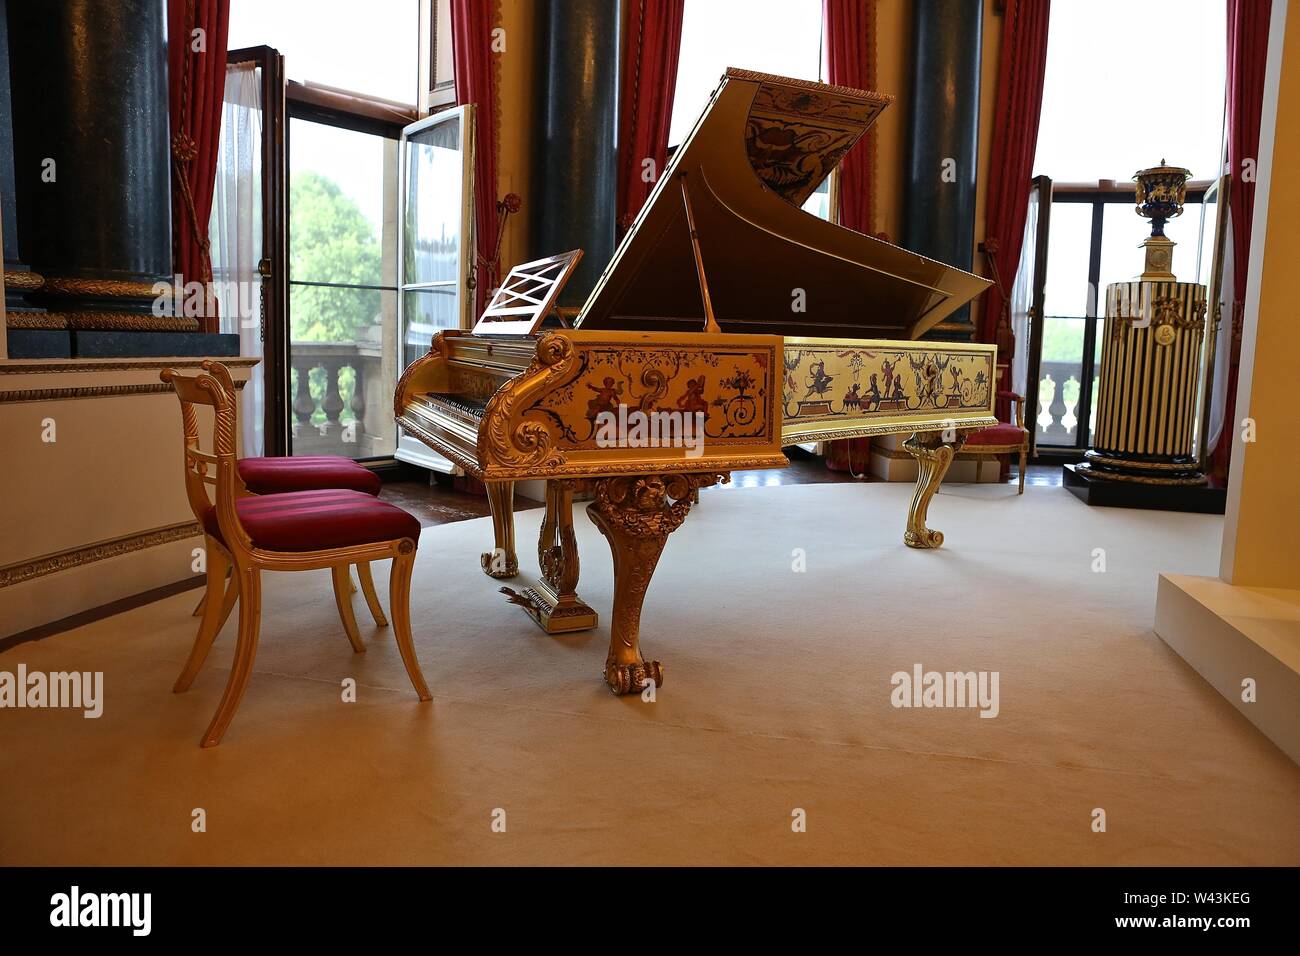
<point>1027,297</point>
<point>435,247</point>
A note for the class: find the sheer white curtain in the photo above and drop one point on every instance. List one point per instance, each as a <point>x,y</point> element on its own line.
<point>235,232</point>
<point>1222,351</point>
<point>1022,300</point>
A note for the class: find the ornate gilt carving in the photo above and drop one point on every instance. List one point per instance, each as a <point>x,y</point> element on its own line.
<point>554,603</point>
<point>506,440</point>
<point>501,561</point>
<point>636,514</point>
<point>933,456</point>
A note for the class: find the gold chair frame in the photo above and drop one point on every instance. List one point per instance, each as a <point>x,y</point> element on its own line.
<point>342,595</point>
<point>981,452</point>
<point>237,553</point>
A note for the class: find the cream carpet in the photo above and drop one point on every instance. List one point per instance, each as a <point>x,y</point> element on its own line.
<point>776,699</point>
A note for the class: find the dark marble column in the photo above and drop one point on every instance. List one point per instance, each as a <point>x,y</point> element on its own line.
<point>943,140</point>
<point>92,171</point>
<point>575,179</point>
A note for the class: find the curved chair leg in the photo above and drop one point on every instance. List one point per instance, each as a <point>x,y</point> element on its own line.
<point>399,602</point>
<point>214,614</point>
<point>372,599</point>
<point>343,598</point>
<point>250,620</point>
<point>198,608</point>
<point>1024,453</point>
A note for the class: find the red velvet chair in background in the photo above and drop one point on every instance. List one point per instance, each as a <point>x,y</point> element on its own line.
<point>292,531</point>
<point>277,475</point>
<point>1003,438</point>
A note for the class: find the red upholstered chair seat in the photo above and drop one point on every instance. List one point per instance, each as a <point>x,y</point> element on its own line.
<point>274,476</point>
<point>317,520</point>
<point>1002,433</point>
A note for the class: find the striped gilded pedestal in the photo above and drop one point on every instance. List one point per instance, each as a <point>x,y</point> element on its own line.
<point>1148,387</point>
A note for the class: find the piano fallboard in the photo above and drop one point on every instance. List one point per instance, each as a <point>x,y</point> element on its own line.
<point>850,388</point>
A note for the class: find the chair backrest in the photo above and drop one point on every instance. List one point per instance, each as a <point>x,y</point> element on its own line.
<point>218,468</point>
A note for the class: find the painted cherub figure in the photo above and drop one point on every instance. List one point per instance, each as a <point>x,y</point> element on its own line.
<point>607,398</point>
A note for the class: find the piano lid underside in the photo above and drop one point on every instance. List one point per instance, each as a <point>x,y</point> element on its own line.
<point>764,282</point>
<point>770,266</point>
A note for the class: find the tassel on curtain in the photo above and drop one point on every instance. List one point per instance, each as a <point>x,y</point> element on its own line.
<point>196,53</point>
<point>472,56</point>
<point>1021,71</point>
<point>650,56</point>
<point>850,41</point>
<point>1247,56</point>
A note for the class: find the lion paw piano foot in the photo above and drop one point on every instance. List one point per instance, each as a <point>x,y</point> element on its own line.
<point>632,678</point>
<point>499,564</point>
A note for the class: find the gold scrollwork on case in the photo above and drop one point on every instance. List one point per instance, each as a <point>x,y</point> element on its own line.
<point>437,351</point>
<point>505,441</point>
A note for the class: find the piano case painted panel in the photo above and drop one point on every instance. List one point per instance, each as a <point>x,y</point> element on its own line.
<point>848,388</point>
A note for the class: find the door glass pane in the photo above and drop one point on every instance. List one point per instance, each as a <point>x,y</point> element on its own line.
<point>342,291</point>
<point>1068,241</point>
<point>432,221</point>
<point>427,311</point>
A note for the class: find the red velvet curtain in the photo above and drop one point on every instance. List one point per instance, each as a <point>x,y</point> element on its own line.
<point>653,47</point>
<point>197,78</point>
<point>1021,70</point>
<point>850,27</point>
<point>471,40</point>
<point>850,43</point>
<point>1247,53</point>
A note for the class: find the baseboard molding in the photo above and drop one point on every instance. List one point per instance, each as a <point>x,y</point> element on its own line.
<point>99,613</point>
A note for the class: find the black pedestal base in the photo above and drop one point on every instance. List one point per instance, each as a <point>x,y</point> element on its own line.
<point>1092,490</point>
<point>50,343</point>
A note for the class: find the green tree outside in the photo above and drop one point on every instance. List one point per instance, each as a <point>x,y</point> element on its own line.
<point>331,240</point>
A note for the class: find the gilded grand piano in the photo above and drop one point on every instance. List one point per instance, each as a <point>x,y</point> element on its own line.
<point>729,316</point>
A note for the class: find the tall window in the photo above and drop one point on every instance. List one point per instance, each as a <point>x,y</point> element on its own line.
<point>771,36</point>
<point>1116,99</point>
<point>369,47</point>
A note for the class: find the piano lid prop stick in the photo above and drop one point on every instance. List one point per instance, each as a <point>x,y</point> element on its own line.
<point>710,323</point>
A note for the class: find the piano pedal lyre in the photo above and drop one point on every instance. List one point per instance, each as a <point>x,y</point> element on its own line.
<point>553,603</point>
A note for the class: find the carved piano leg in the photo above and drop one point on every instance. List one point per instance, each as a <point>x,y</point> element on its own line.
<point>554,603</point>
<point>636,514</point>
<point>501,562</point>
<point>933,456</point>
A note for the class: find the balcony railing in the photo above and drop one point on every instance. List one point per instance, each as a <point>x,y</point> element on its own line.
<point>342,399</point>
<point>1058,403</point>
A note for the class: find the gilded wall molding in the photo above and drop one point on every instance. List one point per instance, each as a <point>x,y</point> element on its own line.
<point>58,366</point>
<point>26,281</point>
<point>76,557</point>
<point>15,396</point>
<point>37,320</point>
<point>128,322</point>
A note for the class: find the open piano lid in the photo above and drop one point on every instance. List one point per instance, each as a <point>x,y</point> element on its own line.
<point>762,147</point>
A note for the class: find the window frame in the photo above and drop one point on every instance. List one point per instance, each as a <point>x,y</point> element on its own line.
<point>1099,195</point>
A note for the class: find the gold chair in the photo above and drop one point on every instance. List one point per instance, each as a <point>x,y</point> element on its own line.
<point>276,475</point>
<point>1003,438</point>
<point>294,531</point>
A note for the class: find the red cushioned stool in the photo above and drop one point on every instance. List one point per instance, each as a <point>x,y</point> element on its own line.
<point>278,475</point>
<point>1004,438</point>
